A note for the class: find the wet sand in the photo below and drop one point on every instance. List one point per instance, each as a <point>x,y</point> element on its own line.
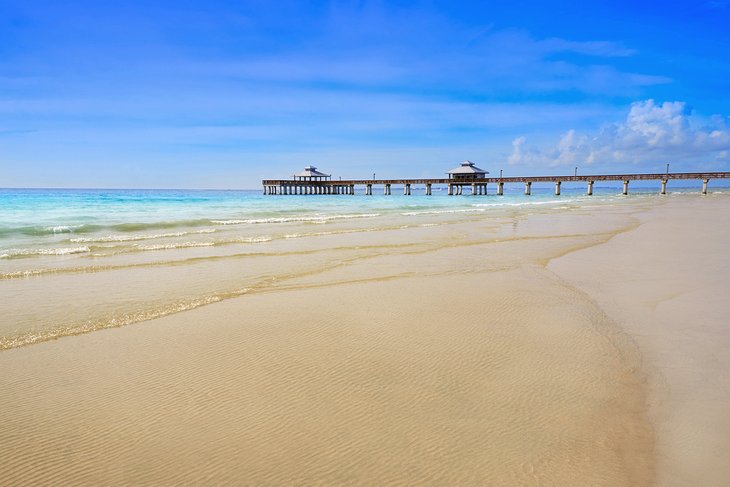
<point>487,360</point>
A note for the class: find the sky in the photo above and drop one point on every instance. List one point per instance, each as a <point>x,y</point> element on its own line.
<point>223,93</point>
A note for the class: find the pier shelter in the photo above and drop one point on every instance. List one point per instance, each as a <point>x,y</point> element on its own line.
<point>467,170</point>
<point>467,174</point>
<point>310,173</point>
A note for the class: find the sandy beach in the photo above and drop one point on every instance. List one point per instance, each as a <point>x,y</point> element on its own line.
<point>559,345</point>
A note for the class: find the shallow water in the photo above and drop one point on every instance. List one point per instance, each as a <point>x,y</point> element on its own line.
<point>73,261</point>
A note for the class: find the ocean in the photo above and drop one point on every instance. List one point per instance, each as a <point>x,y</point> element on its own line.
<point>77,260</point>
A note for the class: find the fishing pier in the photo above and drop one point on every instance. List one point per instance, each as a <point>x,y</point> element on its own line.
<point>469,177</point>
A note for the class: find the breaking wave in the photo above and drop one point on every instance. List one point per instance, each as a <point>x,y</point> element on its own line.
<point>286,219</point>
<point>134,238</point>
<point>11,253</point>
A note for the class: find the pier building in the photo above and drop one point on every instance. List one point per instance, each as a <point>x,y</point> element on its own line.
<point>467,170</point>
<point>310,173</point>
<point>470,173</point>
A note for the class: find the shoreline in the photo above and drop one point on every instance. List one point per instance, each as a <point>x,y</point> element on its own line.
<point>237,266</point>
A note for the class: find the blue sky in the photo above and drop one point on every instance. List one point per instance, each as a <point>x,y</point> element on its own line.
<point>220,94</point>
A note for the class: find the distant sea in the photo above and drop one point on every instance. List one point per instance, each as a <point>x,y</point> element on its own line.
<point>46,222</point>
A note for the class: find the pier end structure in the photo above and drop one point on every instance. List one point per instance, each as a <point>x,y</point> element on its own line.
<point>468,173</point>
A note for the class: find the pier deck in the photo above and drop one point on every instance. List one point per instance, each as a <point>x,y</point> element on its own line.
<point>478,185</point>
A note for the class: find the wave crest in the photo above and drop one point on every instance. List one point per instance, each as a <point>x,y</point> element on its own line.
<point>11,253</point>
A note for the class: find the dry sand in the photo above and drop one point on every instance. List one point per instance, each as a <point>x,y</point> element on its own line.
<point>667,284</point>
<point>469,363</point>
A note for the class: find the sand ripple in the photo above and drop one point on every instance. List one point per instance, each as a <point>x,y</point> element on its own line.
<point>390,383</point>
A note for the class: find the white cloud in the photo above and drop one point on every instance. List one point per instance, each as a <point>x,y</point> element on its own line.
<point>514,61</point>
<point>651,133</point>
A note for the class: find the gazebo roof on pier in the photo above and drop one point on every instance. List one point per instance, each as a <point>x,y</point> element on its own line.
<point>311,172</point>
<point>467,167</point>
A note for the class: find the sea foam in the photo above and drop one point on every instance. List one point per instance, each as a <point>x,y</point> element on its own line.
<point>134,238</point>
<point>10,253</point>
<point>287,219</point>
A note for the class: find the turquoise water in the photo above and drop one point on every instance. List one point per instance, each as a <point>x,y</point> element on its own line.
<point>41,222</point>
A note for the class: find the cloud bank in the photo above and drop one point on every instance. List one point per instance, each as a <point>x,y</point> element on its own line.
<point>652,133</point>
